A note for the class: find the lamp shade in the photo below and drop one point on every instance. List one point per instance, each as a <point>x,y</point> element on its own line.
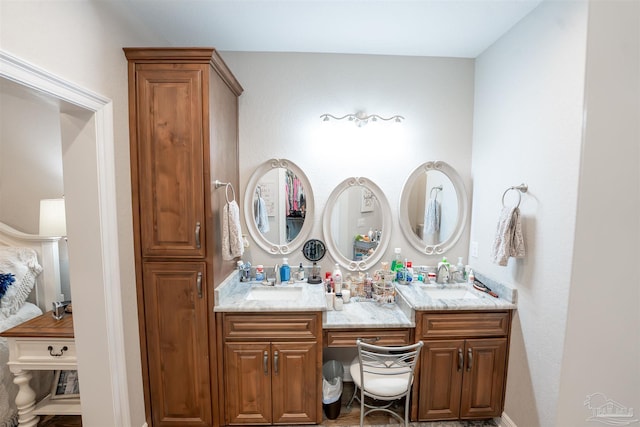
<point>52,218</point>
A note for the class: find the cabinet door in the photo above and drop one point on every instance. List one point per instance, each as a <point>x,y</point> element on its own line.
<point>294,383</point>
<point>177,343</point>
<point>248,383</point>
<point>484,378</point>
<point>170,160</point>
<point>441,370</point>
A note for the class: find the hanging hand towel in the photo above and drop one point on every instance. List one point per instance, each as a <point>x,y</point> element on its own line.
<point>260,212</point>
<point>432,217</point>
<point>508,241</point>
<point>232,246</point>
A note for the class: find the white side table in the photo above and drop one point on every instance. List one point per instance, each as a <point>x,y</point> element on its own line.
<point>42,343</point>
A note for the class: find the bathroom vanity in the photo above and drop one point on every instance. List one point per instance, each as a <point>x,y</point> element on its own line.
<point>270,357</point>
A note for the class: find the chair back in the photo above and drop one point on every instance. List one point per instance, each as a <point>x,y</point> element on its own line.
<point>387,371</point>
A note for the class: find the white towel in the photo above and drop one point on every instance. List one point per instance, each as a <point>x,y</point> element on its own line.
<point>232,246</point>
<point>508,241</point>
<point>432,217</point>
<point>260,212</point>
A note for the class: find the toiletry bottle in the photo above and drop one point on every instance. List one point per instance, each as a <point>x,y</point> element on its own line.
<point>301,272</point>
<point>368,287</point>
<point>338,302</point>
<point>401,273</point>
<point>396,264</point>
<point>460,269</point>
<point>329,296</point>
<point>337,279</point>
<point>285,271</point>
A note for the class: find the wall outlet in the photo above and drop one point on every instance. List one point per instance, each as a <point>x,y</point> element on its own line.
<point>474,249</point>
<point>360,222</point>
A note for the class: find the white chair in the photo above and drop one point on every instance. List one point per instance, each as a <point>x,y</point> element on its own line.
<point>383,374</point>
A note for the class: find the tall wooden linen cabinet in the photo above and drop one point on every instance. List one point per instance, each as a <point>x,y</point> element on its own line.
<point>183,110</point>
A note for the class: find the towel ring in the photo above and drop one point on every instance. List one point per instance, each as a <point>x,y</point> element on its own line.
<point>217,183</point>
<point>226,192</point>
<point>522,188</point>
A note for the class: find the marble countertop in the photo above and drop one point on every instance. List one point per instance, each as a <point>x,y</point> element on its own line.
<point>367,314</point>
<point>418,297</point>
<point>231,296</point>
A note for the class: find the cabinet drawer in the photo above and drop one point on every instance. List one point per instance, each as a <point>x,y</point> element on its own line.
<point>339,338</point>
<point>45,352</point>
<point>447,325</point>
<point>272,326</point>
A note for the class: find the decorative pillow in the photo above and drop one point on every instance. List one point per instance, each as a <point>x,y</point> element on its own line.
<point>5,281</point>
<point>23,264</point>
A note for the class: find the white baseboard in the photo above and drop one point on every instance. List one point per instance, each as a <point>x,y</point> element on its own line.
<point>505,421</point>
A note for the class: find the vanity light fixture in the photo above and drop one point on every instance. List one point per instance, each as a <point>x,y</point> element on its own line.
<point>361,118</point>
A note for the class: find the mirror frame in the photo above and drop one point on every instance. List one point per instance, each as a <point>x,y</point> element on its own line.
<point>332,249</point>
<point>249,217</point>
<point>463,208</point>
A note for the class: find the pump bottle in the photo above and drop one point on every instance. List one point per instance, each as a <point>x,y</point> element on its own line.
<point>285,270</point>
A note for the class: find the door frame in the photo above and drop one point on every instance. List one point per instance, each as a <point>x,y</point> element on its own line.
<point>101,110</point>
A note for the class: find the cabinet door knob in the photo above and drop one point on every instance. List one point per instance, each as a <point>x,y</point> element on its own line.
<point>469,359</point>
<point>460,360</point>
<point>198,235</point>
<point>62,350</point>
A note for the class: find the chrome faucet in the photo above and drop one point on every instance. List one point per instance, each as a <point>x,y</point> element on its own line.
<point>276,273</point>
<point>442,274</point>
<point>245,271</point>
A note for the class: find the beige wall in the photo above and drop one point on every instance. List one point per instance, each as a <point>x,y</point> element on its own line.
<point>602,340</point>
<point>285,94</point>
<point>557,108</point>
<point>81,41</point>
<point>528,128</point>
<point>30,155</point>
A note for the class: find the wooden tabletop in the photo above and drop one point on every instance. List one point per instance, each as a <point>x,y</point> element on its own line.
<point>43,326</point>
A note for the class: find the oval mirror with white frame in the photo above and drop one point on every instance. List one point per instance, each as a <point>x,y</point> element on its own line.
<point>278,206</point>
<point>357,224</point>
<point>433,208</point>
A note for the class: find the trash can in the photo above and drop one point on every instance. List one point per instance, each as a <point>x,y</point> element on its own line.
<point>332,373</point>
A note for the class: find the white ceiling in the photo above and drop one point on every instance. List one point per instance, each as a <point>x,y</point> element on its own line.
<point>455,28</point>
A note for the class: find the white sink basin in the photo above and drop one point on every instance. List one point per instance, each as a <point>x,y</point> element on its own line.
<point>449,293</point>
<point>274,293</point>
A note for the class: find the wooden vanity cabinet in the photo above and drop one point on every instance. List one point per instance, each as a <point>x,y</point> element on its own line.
<point>463,366</point>
<point>377,336</point>
<point>272,368</point>
<point>183,111</point>
<point>177,343</point>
